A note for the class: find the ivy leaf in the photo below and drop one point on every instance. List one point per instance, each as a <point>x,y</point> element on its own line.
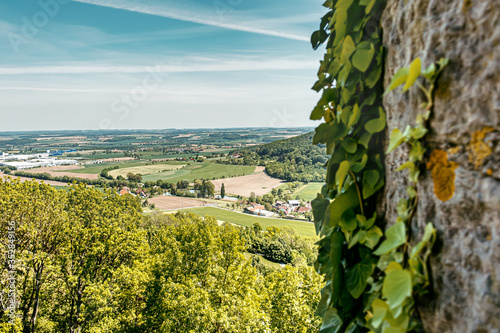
<point>418,132</point>
<point>350,145</point>
<point>348,49</point>
<point>379,309</point>
<point>319,206</point>
<point>363,58</point>
<point>372,77</point>
<point>372,237</point>
<point>413,74</point>
<point>344,4</point>
<point>345,201</point>
<point>341,174</point>
<point>429,234</point>
<point>358,166</point>
<point>369,7</point>
<point>354,118</point>
<point>376,125</point>
<point>348,221</point>
<point>395,237</point>
<point>357,276</point>
<point>398,79</point>
<point>331,322</point>
<point>395,140</point>
<point>397,286</point>
<point>317,38</point>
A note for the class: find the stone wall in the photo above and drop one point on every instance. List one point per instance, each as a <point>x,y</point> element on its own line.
<point>466,265</point>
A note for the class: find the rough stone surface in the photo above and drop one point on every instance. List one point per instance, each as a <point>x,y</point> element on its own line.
<point>466,265</point>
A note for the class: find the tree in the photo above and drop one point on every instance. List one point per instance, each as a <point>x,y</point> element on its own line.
<point>222,191</point>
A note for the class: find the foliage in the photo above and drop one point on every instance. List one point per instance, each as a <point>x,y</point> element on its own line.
<point>292,159</point>
<point>88,261</point>
<point>369,286</point>
<point>282,245</point>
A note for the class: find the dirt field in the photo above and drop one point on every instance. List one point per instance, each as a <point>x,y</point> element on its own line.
<point>173,203</point>
<point>260,183</point>
<point>52,172</point>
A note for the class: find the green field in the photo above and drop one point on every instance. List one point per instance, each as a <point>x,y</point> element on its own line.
<point>308,192</point>
<point>201,171</point>
<point>302,228</point>
<point>97,168</point>
<point>264,261</point>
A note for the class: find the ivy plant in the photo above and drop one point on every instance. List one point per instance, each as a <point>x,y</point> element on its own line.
<point>371,276</point>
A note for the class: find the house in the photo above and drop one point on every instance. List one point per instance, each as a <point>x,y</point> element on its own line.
<point>124,191</point>
<point>294,203</point>
<point>303,209</point>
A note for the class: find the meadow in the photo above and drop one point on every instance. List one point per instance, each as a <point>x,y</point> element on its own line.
<point>201,171</point>
<point>302,228</point>
<point>146,169</point>
<point>308,192</point>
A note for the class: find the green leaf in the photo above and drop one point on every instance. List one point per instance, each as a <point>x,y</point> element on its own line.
<point>369,7</point>
<point>406,165</point>
<point>358,166</point>
<point>395,237</point>
<point>398,79</point>
<point>317,38</point>
<point>418,132</point>
<point>372,237</point>
<point>376,125</point>
<point>395,140</point>
<point>354,118</point>
<point>363,58</point>
<point>348,49</point>
<point>373,77</point>
<point>379,310</point>
<point>340,204</point>
<point>331,322</point>
<point>371,177</point>
<point>365,139</point>
<point>357,276</point>
<point>344,4</point>
<point>397,286</point>
<point>372,182</point>
<point>319,206</point>
<point>341,174</point>
<point>429,234</point>
<point>350,145</point>
<point>413,74</point>
<point>348,221</point>
<point>334,67</point>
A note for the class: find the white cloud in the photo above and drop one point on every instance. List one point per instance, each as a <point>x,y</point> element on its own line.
<point>174,10</point>
<point>192,66</point>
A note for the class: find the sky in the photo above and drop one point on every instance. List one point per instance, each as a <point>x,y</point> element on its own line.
<point>140,64</point>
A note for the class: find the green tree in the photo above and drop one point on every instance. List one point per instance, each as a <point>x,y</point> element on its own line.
<point>222,191</point>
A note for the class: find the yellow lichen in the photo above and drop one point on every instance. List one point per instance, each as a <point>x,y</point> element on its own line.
<point>443,174</point>
<point>454,150</point>
<point>478,149</point>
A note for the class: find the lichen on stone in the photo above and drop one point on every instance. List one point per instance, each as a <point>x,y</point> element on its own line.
<point>478,149</point>
<point>443,174</point>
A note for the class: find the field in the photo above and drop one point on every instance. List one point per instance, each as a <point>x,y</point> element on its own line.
<point>66,170</point>
<point>302,228</point>
<point>167,202</point>
<point>201,171</point>
<point>146,169</point>
<point>259,183</point>
<point>308,192</point>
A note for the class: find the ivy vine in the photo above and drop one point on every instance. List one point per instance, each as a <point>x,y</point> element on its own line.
<point>370,284</point>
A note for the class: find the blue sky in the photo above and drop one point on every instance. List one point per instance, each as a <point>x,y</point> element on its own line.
<point>90,64</point>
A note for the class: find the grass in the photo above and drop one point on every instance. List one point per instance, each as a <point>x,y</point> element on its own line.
<point>263,260</point>
<point>308,192</point>
<point>97,168</point>
<point>146,169</point>
<point>302,228</point>
<point>201,171</point>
